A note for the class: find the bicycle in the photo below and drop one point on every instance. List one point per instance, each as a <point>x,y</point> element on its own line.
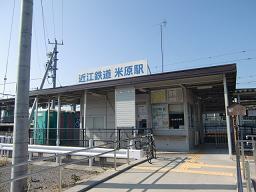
<point>150,148</point>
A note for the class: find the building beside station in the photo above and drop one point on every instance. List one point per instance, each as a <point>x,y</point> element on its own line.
<point>184,109</point>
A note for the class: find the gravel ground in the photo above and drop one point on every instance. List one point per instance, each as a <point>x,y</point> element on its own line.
<point>48,181</point>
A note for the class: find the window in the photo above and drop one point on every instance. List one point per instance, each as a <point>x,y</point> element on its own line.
<point>176,116</point>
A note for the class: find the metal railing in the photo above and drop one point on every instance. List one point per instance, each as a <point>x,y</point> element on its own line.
<point>245,146</point>
<point>81,137</point>
<point>130,142</point>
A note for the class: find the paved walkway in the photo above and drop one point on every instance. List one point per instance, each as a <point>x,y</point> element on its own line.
<point>175,172</point>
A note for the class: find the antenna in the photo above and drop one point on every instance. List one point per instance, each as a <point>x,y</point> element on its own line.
<point>162,24</point>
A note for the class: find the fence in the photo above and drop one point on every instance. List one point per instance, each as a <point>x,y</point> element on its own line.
<point>245,146</point>
<point>130,142</point>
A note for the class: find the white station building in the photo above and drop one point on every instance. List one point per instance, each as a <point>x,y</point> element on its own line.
<point>176,105</point>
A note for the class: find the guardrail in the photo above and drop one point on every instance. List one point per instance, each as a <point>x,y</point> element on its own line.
<point>130,142</point>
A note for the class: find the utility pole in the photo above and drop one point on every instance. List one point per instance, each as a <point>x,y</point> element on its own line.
<point>162,24</point>
<point>21,113</point>
<point>55,60</point>
<point>54,68</point>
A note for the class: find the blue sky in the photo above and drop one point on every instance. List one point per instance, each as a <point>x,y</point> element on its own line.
<point>104,32</point>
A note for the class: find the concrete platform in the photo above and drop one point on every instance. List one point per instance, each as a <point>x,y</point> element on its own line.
<point>177,172</point>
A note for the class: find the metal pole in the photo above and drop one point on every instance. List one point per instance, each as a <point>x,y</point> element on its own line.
<point>60,175</point>
<point>254,151</point>
<point>128,152</point>
<point>91,158</point>
<point>162,54</point>
<point>81,134</point>
<point>243,162</point>
<point>248,176</point>
<point>21,113</point>
<point>227,116</point>
<point>58,122</point>
<point>36,132</point>
<point>58,126</point>
<point>48,122</point>
<point>30,153</point>
<point>84,123</point>
<point>115,146</point>
<point>238,168</point>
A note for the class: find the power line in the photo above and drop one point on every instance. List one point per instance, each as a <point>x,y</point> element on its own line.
<point>53,20</point>
<point>36,40</point>
<point>217,63</point>
<point>9,45</point>
<point>248,82</point>
<point>245,77</point>
<point>209,57</point>
<point>13,82</point>
<point>44,27</point>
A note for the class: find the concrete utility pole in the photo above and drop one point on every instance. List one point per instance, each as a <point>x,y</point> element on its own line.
<point>21,113</point>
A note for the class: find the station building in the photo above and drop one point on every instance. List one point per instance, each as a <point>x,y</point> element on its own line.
<point>177,106</point>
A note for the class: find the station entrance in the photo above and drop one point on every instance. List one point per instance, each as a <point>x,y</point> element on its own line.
<point>215,129</point>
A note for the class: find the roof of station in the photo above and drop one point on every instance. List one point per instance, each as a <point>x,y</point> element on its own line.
<point>246,96</point>
<point>203,81</point>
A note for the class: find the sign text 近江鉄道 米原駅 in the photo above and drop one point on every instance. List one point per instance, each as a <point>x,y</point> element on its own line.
<point>126,70</point>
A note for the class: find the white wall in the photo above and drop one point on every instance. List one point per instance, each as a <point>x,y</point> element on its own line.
<point>101,106</point>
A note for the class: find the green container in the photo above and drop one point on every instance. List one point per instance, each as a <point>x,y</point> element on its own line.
<point>69,132</point>
<point>40,131</point>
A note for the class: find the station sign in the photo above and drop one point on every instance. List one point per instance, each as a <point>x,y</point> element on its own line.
<point>120,71</point>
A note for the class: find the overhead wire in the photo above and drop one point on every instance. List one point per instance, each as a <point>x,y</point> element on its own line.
<point>44,27</point>
<point>217,63</point>
<point>208,57</point>
<point>9,45</point>
<point>53,20</point>
<point>36,43</point>
<point>62,23</point>
<point>13,82</point>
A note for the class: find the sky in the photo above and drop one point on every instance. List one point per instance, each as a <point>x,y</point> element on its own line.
<point>97,33</point>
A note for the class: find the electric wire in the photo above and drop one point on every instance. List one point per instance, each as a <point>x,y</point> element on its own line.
<point>208,57</point>
<point>13,82</point>
<point>36,43</point>
<point>53,20</point>
<point>9,45</point>
<point>44,27</point>
<point>62,10</point>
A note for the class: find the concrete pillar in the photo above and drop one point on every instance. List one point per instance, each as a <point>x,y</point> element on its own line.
<point>227,116</point>
<point>21,113</point>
